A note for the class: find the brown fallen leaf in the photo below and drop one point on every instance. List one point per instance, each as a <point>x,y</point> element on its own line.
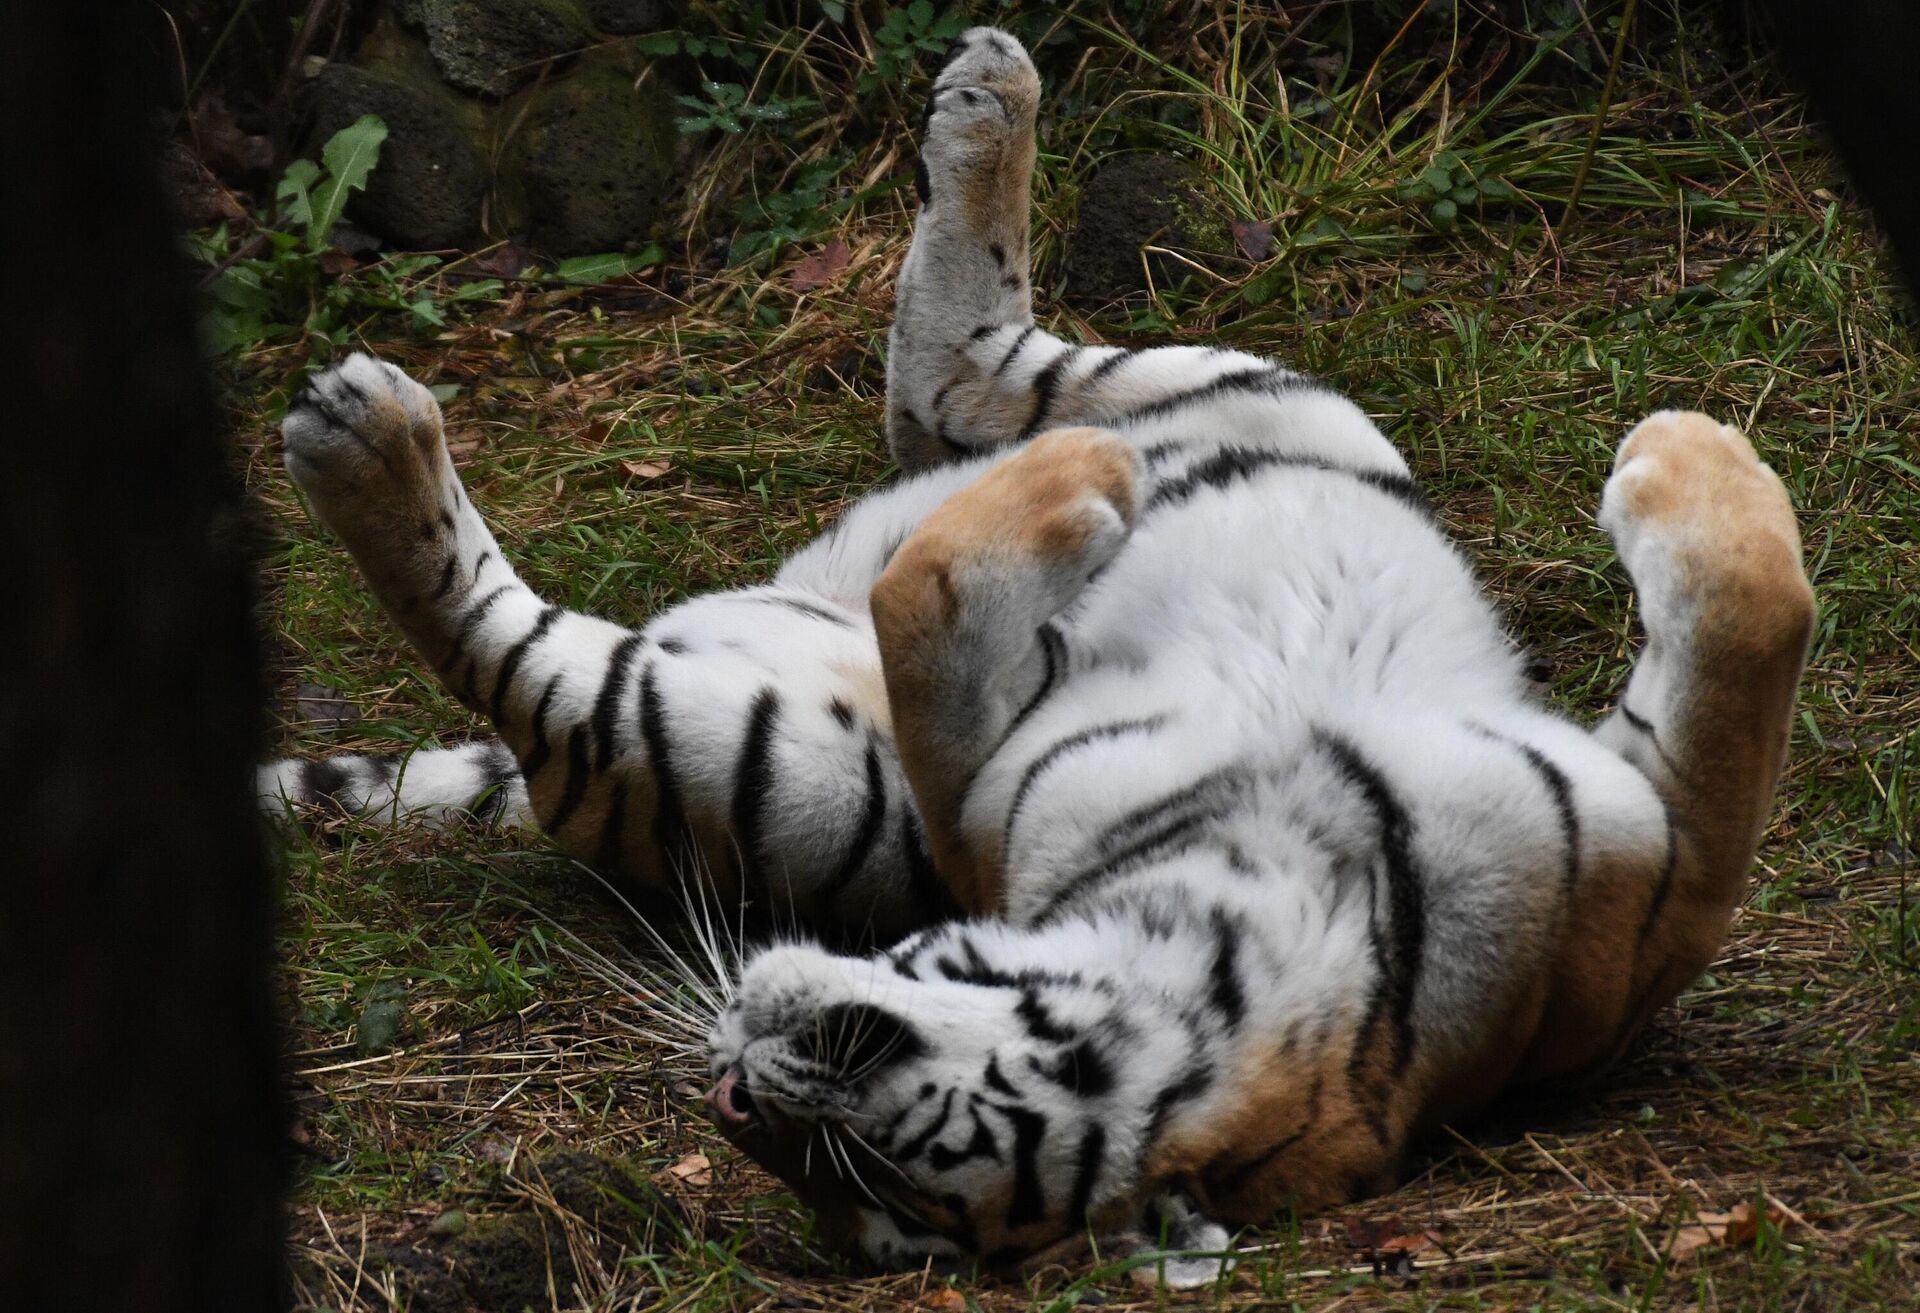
<point>1411,1243</point>
<point>228,149</point>
<point>824,266</point>
<point>695,1170</point>
<point>503,261</point>
<point>336,262</point>
<point>646,469</point>
<point>1366,1233</point>
<point>1254,237</point>
<point>1730,1230</point>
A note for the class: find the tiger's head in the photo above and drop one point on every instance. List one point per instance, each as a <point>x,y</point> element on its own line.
<point>935,1106</point>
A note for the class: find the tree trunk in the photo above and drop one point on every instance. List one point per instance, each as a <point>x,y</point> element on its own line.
<point>140,1122</point>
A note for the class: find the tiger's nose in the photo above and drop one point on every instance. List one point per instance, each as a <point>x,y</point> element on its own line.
<point>730,1100</point>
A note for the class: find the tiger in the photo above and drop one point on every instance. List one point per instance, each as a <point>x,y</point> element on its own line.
<point>1175,832</point>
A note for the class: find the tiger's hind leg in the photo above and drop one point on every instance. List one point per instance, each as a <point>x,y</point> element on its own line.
<point>965,276</point>
<point>1708,536</point>
<point>742,735</point>
<point>967,369</point>
<point>962,611</point>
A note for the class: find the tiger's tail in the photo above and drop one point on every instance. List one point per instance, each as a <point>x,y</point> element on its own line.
<point>434,786</point>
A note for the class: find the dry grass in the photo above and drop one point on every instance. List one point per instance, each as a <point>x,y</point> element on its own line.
<point>633,445</point>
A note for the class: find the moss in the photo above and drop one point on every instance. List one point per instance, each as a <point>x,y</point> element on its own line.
<point>607,1193</point>
<point>428,1284</point>
<point>1136,201</point>
<point>503,1262</point>
<point>594,156</point>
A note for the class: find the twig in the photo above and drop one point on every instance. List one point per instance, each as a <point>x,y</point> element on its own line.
<point>1600,110</point>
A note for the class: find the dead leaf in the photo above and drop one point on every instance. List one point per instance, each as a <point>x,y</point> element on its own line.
<point>824,266</point>
<point>228,149</point>
<point>336,262</point>
<point>462,447</point>
<point>1412,1243</point>
<point>504,261</point>
<point>1254,237</point>
<point>646,469</point>
<point>695,1170</point>
<point>319,704</point>
<point>947,1300</point>
<point>495,1149</point>
<point>1366,1233</point>
<point>1730,1230</point>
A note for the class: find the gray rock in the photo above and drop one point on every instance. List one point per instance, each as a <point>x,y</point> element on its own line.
<point>595,156</point>
<point>428,190</point>
<point>490,47</point>
<point>1135,201</point>
<point>578,162</point>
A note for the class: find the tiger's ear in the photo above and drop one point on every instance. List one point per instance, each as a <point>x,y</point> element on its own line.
<point>1174,1244</point>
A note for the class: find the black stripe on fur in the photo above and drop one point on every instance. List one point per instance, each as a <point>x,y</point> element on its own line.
<point>1401,948</point>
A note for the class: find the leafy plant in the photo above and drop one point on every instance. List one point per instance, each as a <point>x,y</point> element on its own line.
<point>1447,186</point>
<point>727,108</point>
<point>287,281</point>
<point>904,35</point>
<point>316,196</point>
<point>793,214</point>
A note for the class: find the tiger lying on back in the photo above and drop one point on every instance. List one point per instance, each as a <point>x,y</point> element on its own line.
<point>1155,666</point>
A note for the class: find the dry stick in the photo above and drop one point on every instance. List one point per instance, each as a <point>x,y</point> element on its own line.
<point>278,111</point>
<point>1600,112</point>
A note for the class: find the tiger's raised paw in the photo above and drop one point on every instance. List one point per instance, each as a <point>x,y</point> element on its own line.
<point>1708,534</point>
<point>978,124</point>
<point>363,441</point>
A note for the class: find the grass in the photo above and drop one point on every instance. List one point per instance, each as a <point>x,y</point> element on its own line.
<point>638,444</point>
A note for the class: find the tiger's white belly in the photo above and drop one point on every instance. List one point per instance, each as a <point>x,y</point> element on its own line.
<point>1230,630</point>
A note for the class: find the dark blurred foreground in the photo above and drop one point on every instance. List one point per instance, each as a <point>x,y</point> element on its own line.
<point>139,1117</point>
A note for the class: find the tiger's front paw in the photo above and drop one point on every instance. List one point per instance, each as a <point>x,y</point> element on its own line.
<point>978,138</point>
<point>363,441</point>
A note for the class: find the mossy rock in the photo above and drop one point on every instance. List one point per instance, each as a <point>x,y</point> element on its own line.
<point>594,157</point>
<point>607,1193</point>
<point>491,47</point>
<point>429,188</point>
<point>502,1262</point>
<point>429,1285</point>
<point>1132,202</point>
